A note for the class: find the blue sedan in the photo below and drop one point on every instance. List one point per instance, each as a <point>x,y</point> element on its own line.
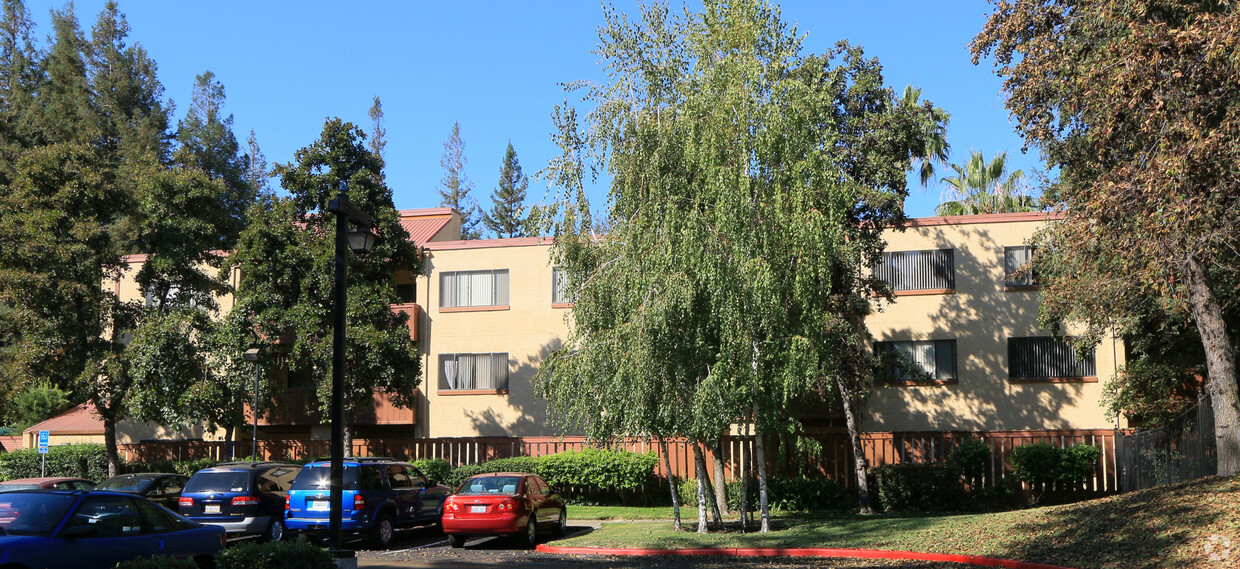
<point>73,529</point>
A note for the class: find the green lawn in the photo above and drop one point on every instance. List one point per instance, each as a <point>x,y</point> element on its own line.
<point>1163,527</point>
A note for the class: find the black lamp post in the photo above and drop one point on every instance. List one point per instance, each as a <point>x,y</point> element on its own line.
<point>251,355</point>
<point>360,240</point>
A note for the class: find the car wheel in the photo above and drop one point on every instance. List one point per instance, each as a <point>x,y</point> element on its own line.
<point>530,538</point>
<point>561,527</point>
<point>275,531</point>
<point>381,535</point>
<point>456,540</point>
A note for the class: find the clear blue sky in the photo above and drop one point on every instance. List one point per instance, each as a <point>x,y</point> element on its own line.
<point>495,66</point>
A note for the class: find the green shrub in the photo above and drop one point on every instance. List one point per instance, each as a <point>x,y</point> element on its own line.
<point>1076,464</point>
<point>158,562</point>
<point>275,555</point>
<point>920,487</point>
<point>972,456</point>
<point>1036,464</point>
<point>787,494</point>
<point>38,403</point>
<point>514,464</point>
<point>88,461</point>
<point>616,470</point>
<point>436,469</point>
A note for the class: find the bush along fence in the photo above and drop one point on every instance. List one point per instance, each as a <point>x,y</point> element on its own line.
<point>833,461</point>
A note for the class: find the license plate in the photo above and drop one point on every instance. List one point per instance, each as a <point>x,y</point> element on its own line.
<point>210,508</point>
<point>477,509</point>
<point>319,505</point>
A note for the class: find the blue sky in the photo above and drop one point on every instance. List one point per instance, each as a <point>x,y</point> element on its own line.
<point>495,66</point>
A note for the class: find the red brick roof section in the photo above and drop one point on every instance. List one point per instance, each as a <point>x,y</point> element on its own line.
<point>423,224</point>
<point>80,419</point>
<point>10,443</point>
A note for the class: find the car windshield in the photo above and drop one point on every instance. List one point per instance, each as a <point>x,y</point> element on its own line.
<point>18,486</point>
<point>222,482</point>
<point>318,477</point>
<point>33,513</point>
<point>490,485</point>
<point>126,484</point>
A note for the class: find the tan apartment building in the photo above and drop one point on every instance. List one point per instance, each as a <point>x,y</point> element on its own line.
<point>487,312</point>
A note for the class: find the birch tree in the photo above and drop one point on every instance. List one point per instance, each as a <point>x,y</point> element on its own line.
<point>750,186</point>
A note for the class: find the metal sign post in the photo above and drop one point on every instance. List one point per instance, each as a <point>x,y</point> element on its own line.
<point>43,436</point>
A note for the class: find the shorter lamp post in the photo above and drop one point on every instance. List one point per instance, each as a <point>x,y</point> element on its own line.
<point>251,355</point>
<point>359,239</point>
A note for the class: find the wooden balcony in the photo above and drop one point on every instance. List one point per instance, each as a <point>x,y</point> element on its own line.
<point>415,316</point>
<point>300,407</point>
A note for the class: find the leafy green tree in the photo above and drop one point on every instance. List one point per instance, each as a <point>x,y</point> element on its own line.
<point>455,186</point>
<point>1134,104</point>
<point>506,217</point>
<point>40,402</point>
<point>981,187</point>
<point>735,278</point>
<point>286,255</point>
<point>206,143</point>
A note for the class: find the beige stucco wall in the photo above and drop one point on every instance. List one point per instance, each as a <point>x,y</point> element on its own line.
<point>528,330</point>
<point>981,316</point>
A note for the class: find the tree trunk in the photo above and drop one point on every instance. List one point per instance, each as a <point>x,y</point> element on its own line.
<point>721,485</point>
<point>671,482</point>
<point>764,503</point>
<point>229,442</point>
<point>346,438</point>
<point>699,466</point>
<point>109,443</point>
<point>745,484</point>
<point>854,437</point>
<point>1220,365</point>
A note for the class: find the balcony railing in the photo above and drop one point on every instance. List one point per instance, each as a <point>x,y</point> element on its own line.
<point>415,315</point>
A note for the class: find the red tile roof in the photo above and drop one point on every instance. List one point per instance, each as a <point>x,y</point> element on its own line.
<point>80,419</point>
<point>489,243</point>
<point>423,224</point>
<point>10,443</point>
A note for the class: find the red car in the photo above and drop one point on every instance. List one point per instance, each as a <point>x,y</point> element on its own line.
<point>47,483</point>
<point>518,504</point>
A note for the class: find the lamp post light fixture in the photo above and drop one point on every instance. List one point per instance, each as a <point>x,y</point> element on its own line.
<point>251,355</point>
<point>360,240</point>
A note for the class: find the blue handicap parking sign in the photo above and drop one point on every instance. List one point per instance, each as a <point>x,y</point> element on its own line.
<point>43,436</point>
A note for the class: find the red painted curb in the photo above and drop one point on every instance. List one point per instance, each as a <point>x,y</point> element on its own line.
<point>807,552</point>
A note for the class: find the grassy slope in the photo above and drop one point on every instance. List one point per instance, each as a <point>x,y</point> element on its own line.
<point>1165,527</point>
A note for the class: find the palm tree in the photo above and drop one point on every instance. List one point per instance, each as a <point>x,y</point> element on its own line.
<point>985,187</point>
<point>933,132</point>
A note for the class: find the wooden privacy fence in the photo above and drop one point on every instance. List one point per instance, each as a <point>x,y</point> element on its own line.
<point>834,460</point>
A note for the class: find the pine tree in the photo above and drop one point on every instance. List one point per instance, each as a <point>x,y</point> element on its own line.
<point>507,215</point>
<point>256,172</point>
<point>455,186</point>
<point>207,144</point>
<point>20,78</point>
<point>378,135</point>
<point>68,111</point>
<point>133,122</point>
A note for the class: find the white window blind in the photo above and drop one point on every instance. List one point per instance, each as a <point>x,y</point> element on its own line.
<point>473,288</point>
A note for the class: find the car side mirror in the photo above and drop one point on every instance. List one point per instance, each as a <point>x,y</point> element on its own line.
<point>76,532</point>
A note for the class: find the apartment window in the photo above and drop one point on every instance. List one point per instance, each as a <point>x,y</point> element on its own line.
<point>936,357</point>
<point>559,287</point>
<point>1017,272</point>
<point>465,372</point>
<point>1047,359</point>
<point>473,288</point>
<point>918,270</point>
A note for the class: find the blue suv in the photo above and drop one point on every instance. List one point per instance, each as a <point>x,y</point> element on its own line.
<point>379,496</point>
<point>244,498</point>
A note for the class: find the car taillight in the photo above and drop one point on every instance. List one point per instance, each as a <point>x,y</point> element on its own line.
<point>452,506</point>
<point>507,505</point>
<point>288,503</point>
<point>245,501</point>
<point>185,502</point>
<point>359,503</point>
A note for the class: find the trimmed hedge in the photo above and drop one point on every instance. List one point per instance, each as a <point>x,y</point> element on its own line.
<point>598,468</point>
<point>186,467</point>
<point>514,464</point>
<point>275,555</point>
<point>436,469</point>
<point>932,486</point>
<point>88,461</point>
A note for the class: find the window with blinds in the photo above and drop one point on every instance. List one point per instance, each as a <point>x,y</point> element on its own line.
<point>473,288</point>
<point>559,287</point>
<point>918,270</point>
<point>937,357</point>
<point>473,371</point>
<point>1047,358</point>
<point>1017,271</point>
